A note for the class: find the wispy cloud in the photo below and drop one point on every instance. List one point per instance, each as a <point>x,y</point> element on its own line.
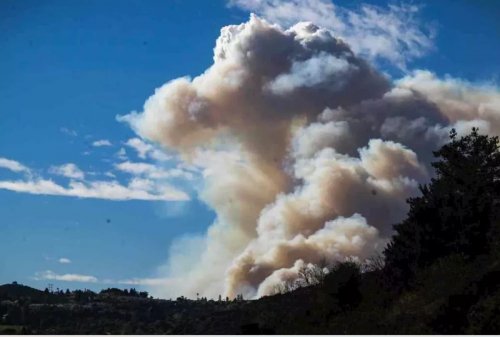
<point>110,190</point>
<point>64,260</point>
<point>393,33</point>
<point>122,154</point>
<point>152,171</point>
<point>68,132</point>
<point>68,170</point>
<point>12,165</point>
<point>101,142</point>
<point>50,275</point>
<point>146,150</point>
<point>141,147</point>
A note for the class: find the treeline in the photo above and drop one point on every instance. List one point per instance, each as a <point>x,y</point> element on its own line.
<point>89,293</point>
<point>125,292</point>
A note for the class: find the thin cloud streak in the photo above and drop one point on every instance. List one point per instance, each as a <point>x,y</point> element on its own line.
<point>52,276</point>
<point>109,190</point>
<point>12,165</point>
<point>101,143</point>
<point>153,172</point>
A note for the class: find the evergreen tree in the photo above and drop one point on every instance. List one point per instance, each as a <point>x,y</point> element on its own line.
<point>456,211</point>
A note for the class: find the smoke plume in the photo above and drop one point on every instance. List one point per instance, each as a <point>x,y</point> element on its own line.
<point>307,152</point>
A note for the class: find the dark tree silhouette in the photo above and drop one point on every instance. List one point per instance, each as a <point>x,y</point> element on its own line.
<point>456,211</point>
<point>342,283</point>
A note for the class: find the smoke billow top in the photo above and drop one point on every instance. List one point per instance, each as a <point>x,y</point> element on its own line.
<point>308,152</point>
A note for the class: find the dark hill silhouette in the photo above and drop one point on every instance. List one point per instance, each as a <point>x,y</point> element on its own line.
<point>15,292</point>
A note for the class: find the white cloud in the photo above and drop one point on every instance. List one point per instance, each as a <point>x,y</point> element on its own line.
<point>141,184</point>
<point>141,147</point>
<point>68,170</point>
<point>110,190</point>
<point>159,155</point>
<point>392,33</point>
<point>137,189</point>
<point>64,260</point>
<point>136,168</point>
<point>145,150</point>
<point>102,142</point>
<point>50,275</point>
<point>136,281</point>
<point>152,171</point>
<point>122,154</point>
<point>12,165</point>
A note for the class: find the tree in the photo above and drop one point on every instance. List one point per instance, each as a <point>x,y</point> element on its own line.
<point>342,284</point>
<point>312,274</point>
<point>456,211</point>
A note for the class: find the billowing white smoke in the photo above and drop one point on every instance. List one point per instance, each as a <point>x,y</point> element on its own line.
<point>308,152</point>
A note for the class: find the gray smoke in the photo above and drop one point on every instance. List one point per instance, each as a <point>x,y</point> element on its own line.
<point>307,152</point>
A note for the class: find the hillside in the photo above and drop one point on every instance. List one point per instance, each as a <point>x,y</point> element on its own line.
<point>16,291</point>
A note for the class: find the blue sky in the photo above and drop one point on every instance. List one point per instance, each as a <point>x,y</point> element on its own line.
<point>69,68</point>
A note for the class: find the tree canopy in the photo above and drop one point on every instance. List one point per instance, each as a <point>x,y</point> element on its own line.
<point>456,212</point>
